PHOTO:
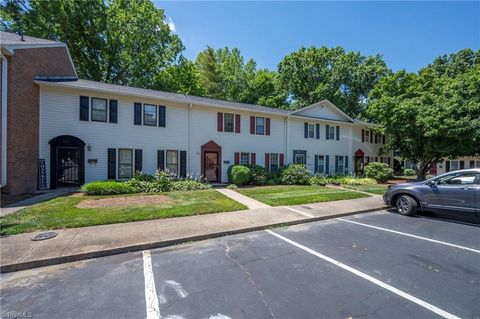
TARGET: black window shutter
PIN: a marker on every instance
(447, 166)
(161, 116)
(305, 129)
(327, 164)
(138, 160)
(336, 164)
(327, 128)
(346, 164)
(338, 133)
(137, 116)
(183, 163)
(113, 111)
(316, 163)
(161, 160)
(84, 108)
(462, 164)
(112, 161)
(317, 129)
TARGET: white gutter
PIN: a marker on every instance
(4, 119)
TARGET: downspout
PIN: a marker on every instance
(189, 139)
(4, 119)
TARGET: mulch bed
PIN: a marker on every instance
(123, 201)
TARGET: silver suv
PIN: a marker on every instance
(454, 191)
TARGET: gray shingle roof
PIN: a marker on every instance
(174, 97)
(7, 38)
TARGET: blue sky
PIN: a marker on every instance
(408, 34)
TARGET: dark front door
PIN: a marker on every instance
(68, 166)
(359, 165)
(211, 166)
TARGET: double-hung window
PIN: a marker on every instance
(228, 122)
(244, 158)
(478, 164)
(321, 164)
(273, 162)
(341, 165)
(172, 162)
(260, 126)
(311, 131)
(150, 115)
(454, 166)
(367, 136)
(99, 110)
(125, 163)
(331, 132)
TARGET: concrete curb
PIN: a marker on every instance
(159, 244)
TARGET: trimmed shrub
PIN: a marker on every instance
(318, 181)
(157, 186)
(274, 178)
(295, 174)
(107, 188)
(259, 175)
(350, 180)
(240, 174)
(232, 187)
(409, 172)
(381, 172)
(139, 175)
(189, 185)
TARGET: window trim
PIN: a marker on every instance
(156, 114)
(342, 170)
(331, 129)
(271, 162)
(106, 109)
(248, 158)
(310, 125)
(256, 125)
(178, 161)
(321, 161)
(233, 122)
(118, 163)
(304, 161)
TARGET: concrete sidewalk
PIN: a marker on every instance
(46, 195)
(18, 252)
(242, 199)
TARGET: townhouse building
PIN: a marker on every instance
(81, 131)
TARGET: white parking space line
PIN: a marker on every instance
(151, 299)
(299, 212)
(410, 235)
(373, 280)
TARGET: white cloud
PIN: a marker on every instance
(171, 25)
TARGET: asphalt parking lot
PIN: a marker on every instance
(375, 265)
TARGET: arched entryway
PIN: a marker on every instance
(359, 162)
(67, 161)
(211, 161)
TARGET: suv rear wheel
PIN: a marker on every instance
(406, 205)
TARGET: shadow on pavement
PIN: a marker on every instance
(448, 216)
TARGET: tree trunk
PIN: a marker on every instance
(422, 170)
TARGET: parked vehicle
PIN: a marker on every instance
(457, 191)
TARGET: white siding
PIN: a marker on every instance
(188, 128)
(320, 146)
(59, 115)
(204, 129)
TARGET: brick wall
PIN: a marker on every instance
(23, 112)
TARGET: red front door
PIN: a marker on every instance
(211, 166)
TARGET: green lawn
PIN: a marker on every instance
(296, 195)
(369, 188)
(62, 213)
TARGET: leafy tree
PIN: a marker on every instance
(345, 78)
(431, 115)
(182, 77)
(117, 41)
(224, 74)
